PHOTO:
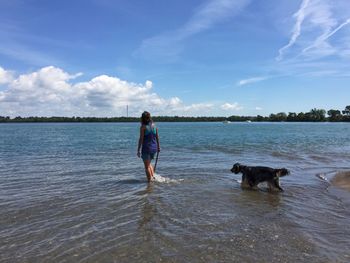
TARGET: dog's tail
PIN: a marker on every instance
(282, 172)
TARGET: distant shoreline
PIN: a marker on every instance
(160, 119)
(314, 115)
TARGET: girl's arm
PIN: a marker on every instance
(142, 132)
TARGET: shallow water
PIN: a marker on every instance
(78, 193)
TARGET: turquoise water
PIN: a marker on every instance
(78, 193)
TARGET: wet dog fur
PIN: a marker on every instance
(253, 175)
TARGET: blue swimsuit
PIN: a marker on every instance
(149, 144)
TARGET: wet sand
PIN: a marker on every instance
(342, 180)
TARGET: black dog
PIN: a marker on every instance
(253, 175)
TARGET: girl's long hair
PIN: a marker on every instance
(146, 118)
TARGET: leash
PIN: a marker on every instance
(155, 165)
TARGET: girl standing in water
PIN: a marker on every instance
(149, 140)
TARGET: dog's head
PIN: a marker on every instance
(236, 168)
(282, 172)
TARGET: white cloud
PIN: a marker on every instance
(210, 13)
(258, 108)
(320, 30)
(176, 106)
(321, 40)
(250, 80)
(201, 108)
(300, 15)
(5, 76)
(229, 106)
(49, 92)
(168, 45)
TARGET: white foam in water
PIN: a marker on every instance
(322, 177)
(160, 179)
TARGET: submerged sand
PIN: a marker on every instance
(342, 180)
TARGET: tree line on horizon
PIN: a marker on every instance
(314, 115)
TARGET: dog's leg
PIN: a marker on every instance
(251, 182)
(244, 183)
(276, 182)
(270, 185)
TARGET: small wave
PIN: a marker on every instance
(321, 158)
(286, 155)
(132, 181)
(342, 180)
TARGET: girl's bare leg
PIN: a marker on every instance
(148, 170)
(151, 170)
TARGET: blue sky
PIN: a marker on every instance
(192, 58)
